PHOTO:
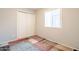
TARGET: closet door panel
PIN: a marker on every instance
(25, 24)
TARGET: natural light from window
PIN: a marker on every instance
(52, 19)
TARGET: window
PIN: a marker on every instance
(52, 19)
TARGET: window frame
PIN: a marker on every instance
(51, 26)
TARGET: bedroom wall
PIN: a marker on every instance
(68, 35)
(8, 22)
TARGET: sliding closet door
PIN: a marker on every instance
(25, 24)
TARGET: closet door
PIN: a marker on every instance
(25, 24)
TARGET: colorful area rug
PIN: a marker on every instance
(24, 46)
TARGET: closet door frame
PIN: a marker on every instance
(25, 24)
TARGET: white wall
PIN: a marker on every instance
(68, 35)
(9, 26)
(8, 22)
